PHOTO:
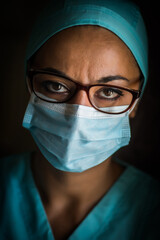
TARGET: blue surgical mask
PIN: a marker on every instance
(75, 138)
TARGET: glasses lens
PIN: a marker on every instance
(110, 99)
(52, 88)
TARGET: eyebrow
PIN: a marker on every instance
(101, 80)
(112, 78)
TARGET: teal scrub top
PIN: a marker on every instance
(130, 210)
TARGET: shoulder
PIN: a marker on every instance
(148, 194)
(144, 196)
(146, 183)
(142, 188)
(140, 179)
(14, 177)
(13, 167)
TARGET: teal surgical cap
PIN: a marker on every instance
(122, 17)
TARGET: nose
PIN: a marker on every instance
(80, 98)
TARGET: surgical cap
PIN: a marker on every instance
(122, 17)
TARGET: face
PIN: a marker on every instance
(89, 55)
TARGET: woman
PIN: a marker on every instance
(86, 69)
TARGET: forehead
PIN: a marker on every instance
(83, 35)
(86, 48)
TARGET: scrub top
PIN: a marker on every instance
(130, 210)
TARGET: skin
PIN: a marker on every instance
(85, 54)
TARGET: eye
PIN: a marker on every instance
(55, 87)
(107, 93)
(52, 88)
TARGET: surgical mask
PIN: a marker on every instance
(75, 138)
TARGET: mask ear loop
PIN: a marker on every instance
(28, 83)
(135, 103)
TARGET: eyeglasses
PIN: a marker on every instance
(105, 98)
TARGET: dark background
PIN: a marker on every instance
(17, 18)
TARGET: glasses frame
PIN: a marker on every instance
(31, 72)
